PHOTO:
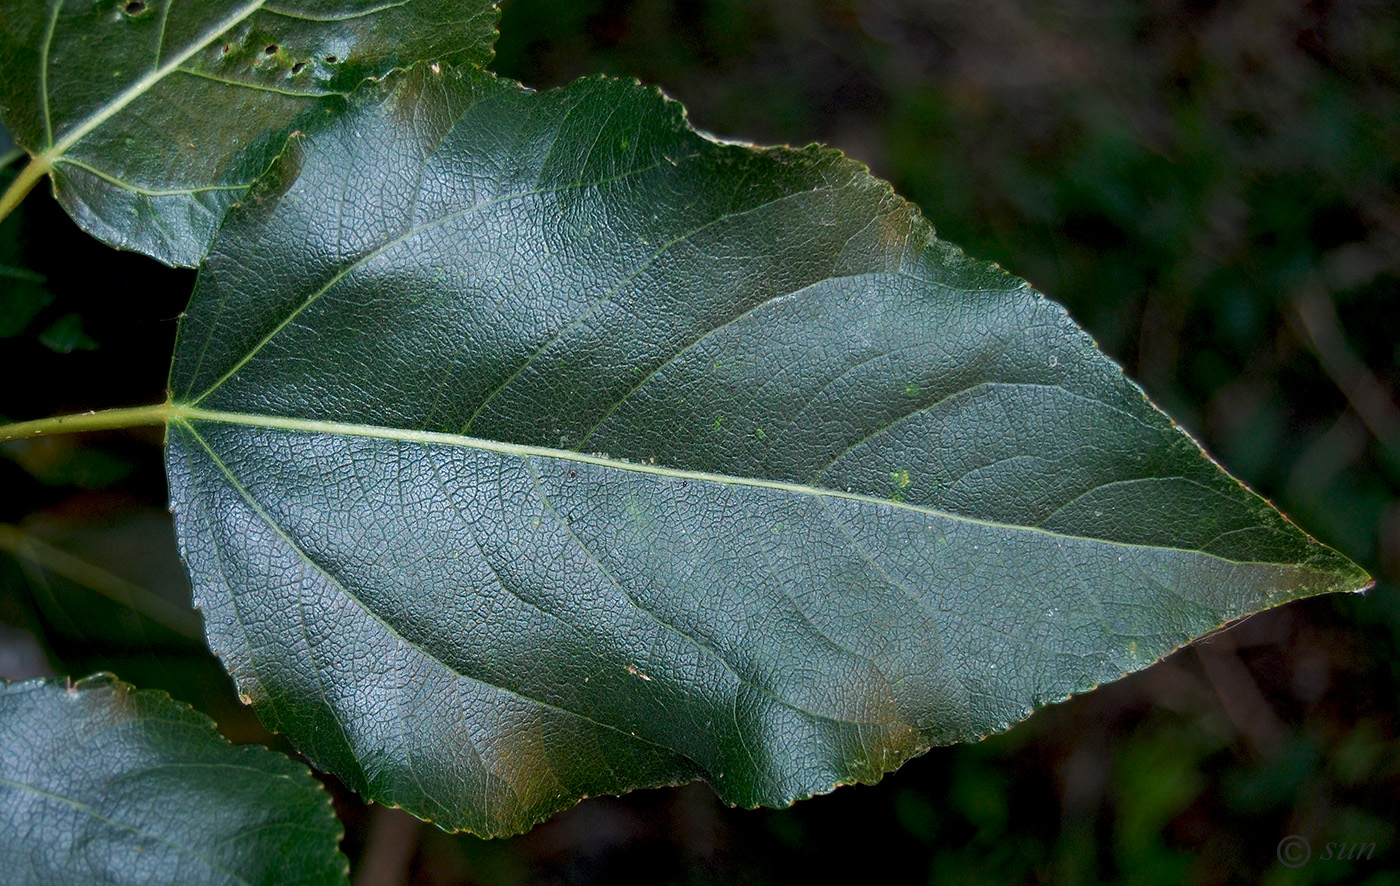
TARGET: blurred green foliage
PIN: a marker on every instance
(1213, 189)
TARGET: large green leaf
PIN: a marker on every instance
(530, 446)
(100, 783)
(155, 115)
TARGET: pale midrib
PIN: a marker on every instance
(142, 86)
(180, 412)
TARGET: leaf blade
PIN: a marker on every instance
(501, 429)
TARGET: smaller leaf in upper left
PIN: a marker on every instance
(154, 116)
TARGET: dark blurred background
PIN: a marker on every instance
(1214, 191)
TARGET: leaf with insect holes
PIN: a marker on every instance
(530, 446)
(155, 115)
(100, 783)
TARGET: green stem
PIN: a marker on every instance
(28, 177)
(20, 544)
(106, 420)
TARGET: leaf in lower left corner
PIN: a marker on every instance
(102, 783)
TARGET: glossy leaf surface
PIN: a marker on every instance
(155, 115)
(100, 783)
(531, 446)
